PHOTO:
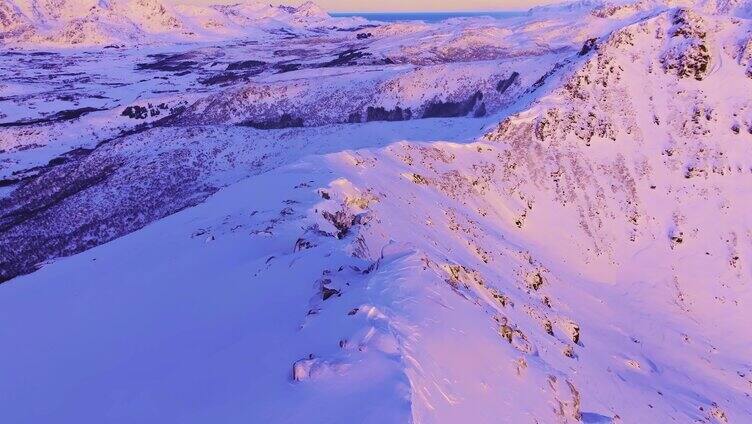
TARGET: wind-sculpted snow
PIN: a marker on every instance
(333, 230)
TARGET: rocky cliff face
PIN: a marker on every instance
(452, 90)
(623, 183)
(13, 23)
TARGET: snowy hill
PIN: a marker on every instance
(535, 219)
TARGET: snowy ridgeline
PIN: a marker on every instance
(129, 22)
(537, 219)
(98, 22)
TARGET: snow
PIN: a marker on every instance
(577, 253)
(91, 22)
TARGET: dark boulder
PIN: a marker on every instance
(449, 109)
(381, 114)
(504, 84)
(245, 64)
(284, 121)
(589, 45)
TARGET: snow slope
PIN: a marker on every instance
(580, 253)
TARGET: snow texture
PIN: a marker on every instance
(257, 213)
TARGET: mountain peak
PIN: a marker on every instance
(125, 21)
(311, 9)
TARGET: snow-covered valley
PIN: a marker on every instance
(280, 216)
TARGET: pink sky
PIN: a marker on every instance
(422, 5)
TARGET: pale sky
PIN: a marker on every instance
(400, 5)
(424, 5)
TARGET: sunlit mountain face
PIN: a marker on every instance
(259, 213)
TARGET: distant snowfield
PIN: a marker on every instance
(542, 219)
(430, 17)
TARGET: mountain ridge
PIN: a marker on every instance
(248, 246)
(97, 22)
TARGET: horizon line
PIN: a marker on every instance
(429, 11)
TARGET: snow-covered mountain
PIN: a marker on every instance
(536, 219)
(98, 22)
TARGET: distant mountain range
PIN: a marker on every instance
(92, 22)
